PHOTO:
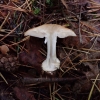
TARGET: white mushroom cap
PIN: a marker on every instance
(46, 29)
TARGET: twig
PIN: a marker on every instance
(29, 80)
(80, 26)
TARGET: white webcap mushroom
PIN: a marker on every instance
(50, 32)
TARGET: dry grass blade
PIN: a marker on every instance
(28, 4)
(91, 50)
(90, 33)
(24, 39)
(12, 8)
(64, 3)
(93, 10)
(89, 60)
(92, 28)
(77, 50)
(90, 94)
(50, 91)
(96, 86)
(3, 78)
(94, 7)
(4, 21)
(11, 31)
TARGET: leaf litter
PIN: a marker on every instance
(78, 76)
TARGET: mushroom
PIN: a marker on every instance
(4, 49)
(50, 32)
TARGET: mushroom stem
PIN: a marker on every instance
(51, 63)
(48, 48)
(53, 49)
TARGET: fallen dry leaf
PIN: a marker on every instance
(33, 57)
(23, 94)
(75, 41)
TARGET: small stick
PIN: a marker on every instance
(29, 80)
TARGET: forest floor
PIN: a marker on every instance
(21, 75)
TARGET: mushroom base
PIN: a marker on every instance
(49, 65)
